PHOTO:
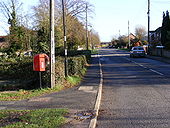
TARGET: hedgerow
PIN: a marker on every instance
(25, 78)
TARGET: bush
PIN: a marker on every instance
(72, 53)
(16, 68)
(22, 72)
(59, 73)
(76, 65)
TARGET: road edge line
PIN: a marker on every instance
(93, 121)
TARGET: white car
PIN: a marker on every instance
(137, 51)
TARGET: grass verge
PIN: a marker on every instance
(125, 49)
(41, 118)
(74, 80)
(27, 94)
(95, 51)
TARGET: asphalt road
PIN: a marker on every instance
(136, 92)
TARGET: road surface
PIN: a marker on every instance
(136, 92)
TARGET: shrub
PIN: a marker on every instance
(76, 65)
(21, 71)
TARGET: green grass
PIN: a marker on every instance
(41, 118)
(126, 49)
(74, 80)
(25, 94)
(83, 71)
(94, 51)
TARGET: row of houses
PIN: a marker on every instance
(155, 37)
(160, 36)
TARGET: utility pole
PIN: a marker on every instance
(65, 38)
(52, 44)
(91, 43)
(87, 40)
(148, 22)
(129, 34)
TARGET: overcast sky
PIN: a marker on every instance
(111, 16)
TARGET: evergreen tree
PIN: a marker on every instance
(165, 36)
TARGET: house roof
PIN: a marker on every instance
(3, 36)
(157, 30)
(105, 42)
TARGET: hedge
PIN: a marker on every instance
(26, 78)
(76, 65)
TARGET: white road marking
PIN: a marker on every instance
(93, 121)
(144, 66)
(140, 65)
(88, 89)
(156, 72)
(127, 59)
(2, 108)
(94, 56)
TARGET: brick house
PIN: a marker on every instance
(155, 37)
(134, 41)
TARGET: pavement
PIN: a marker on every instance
(79, 100)
(163, 59)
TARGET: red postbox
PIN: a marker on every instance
(40, 61)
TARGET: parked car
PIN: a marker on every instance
(137, 51)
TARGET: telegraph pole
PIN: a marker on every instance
(129, 34)
(52, 44)
(65, 38)
(148, 22)
(87, 41)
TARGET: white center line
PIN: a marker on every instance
(156, 72)
(145, 67)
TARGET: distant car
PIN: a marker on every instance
(137, 51)
(28, 53)
(111, 46)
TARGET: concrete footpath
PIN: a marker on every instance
(80, 100)
(163, 59)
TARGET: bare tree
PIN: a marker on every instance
(95, 39)
(75, 8)
(10, 10)
(41, 14)
(140, 32)
(19, 33)
(75, 11)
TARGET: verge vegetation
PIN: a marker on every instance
(23, 82)
(44, 118)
